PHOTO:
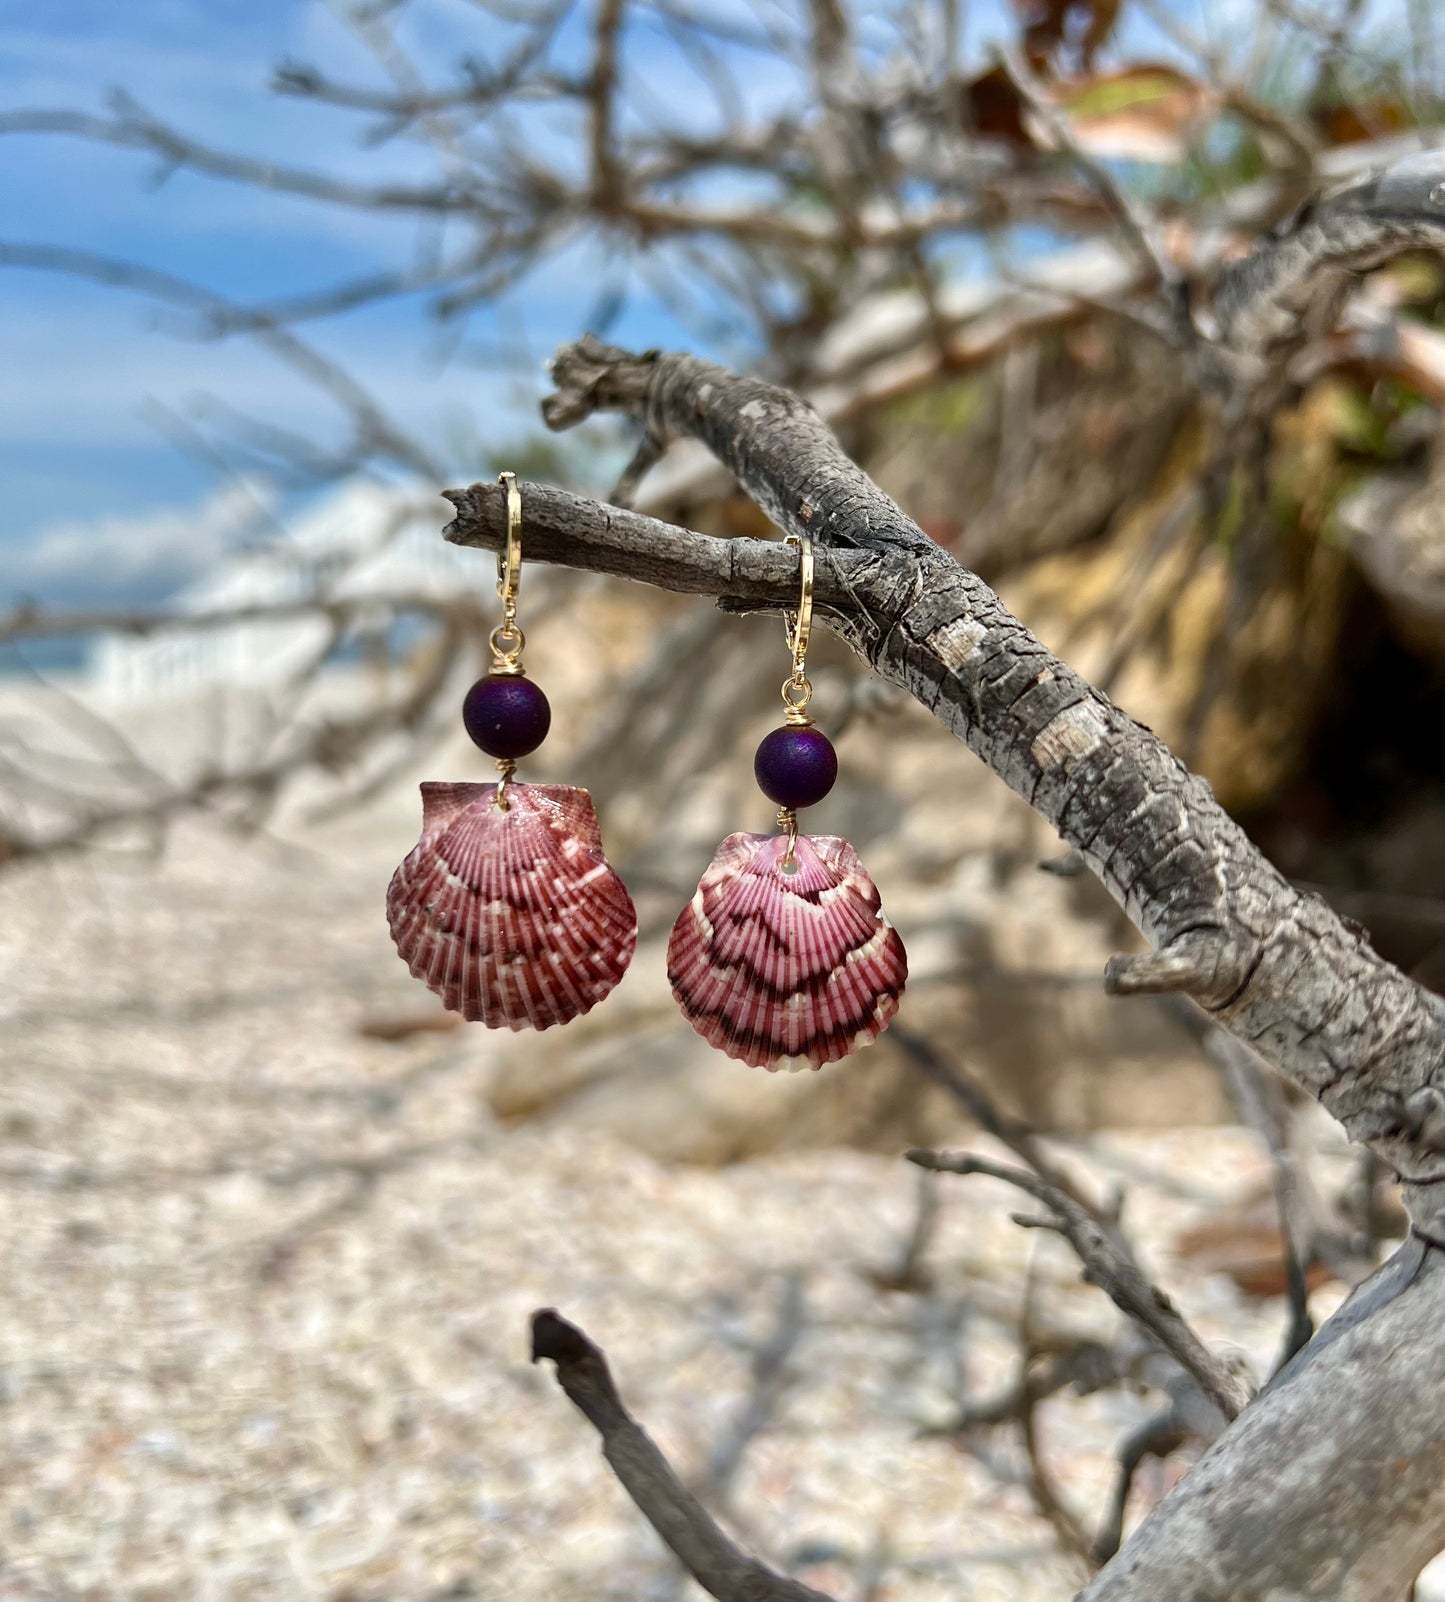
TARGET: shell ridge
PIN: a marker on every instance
(514, 917)
(768, 966)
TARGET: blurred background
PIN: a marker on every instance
(273, 275)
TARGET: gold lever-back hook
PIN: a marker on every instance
(797, 691)
(507, 638)
(509, 561)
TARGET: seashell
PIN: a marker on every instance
(514, 918)
(769, 964)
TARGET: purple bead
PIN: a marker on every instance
(796, 766)
(506, 715)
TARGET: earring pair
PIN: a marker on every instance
(508, 909)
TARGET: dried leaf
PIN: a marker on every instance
(1051, 26)
(1354, 123)
(1142, 113)
(993, 107)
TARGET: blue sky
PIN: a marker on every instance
(85, 367)
(96, 500)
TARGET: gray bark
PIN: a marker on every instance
(1328, 1486)
(1266, 301)
(1273, 965)
(715, 1561)
(1331, 1483)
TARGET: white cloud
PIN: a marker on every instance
(123, 554)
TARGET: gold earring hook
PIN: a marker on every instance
(507, 639)
(797, 691)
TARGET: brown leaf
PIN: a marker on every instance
(1362, 120)
(993, 107)
(1142, 113)
(1051, 25)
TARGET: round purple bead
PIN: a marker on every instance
(796, 766)
(506, 715)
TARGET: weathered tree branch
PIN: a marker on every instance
(572, 531)
(1274, 966)
(1263, 303)
(1328, 1485)
(718, 1564)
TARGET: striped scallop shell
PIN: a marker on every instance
(514, 918)
(769, 965)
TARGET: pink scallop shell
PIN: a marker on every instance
(768, 965)
(514, 918)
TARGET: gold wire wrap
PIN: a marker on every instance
(507, 768)
(507, 640)
(798, 625)
(788, 820)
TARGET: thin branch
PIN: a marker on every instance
(27, 621)
(1109, 1263)
(1159, 1435)
(718, 1565)
(1262, 302)
(1328, 1485)
(1050, 1504)
(771, 1375)
(330, 746)
(1261, 1106)
(909, 1271)
(1136, 228)
(596, 538)
(373, 428)
(135, 129)
(1019, 1137)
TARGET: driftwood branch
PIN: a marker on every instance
(718, 1564)
(1263, 301)
(1110, 1264)
(1274, 966)
(1328, 1485)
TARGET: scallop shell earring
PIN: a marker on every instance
(507, 907)
(784, 956)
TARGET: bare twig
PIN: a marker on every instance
(1136, 228)
(1051, 1505)
(770, 1377)
(721, 1567)
(1109, 1263)
(1261, 1106)
(908, 1271)
(1019, 1137)
(1328, 1485)
(375, 431)
(1159, 1435)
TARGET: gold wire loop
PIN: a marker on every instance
(796, 695)
(798, 625)
(507, 640)
(509, 562)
